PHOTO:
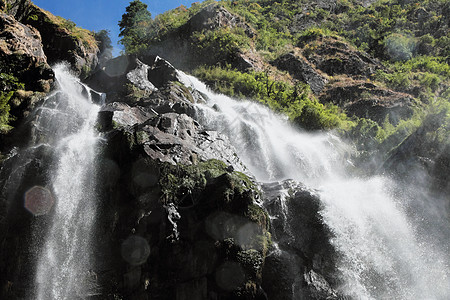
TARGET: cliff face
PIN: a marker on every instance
(32, 39)
(62, 41)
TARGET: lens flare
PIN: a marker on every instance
(39, 200)
(135, 250)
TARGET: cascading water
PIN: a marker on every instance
(383, 253)
(67, 119)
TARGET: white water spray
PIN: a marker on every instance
(64, 264)
(383, 256)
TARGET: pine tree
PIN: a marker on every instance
(134, 26)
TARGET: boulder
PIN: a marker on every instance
(131, 79)
(334, 56)
(215, 16)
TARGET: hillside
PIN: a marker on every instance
(373, 69)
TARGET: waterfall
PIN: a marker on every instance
(383, 251)
(67, 120)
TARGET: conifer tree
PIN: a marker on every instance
(134, 26)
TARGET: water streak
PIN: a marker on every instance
(68, 118)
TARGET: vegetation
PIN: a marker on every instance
(8, 85)
(134, 26)
(296, 101)
(38, 15)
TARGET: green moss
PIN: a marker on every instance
(258, 215)
(32, 17)
(141, 137)
(179, 181)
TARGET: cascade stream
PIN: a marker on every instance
(68, 117)
(383, 253)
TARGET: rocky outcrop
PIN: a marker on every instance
(60, 42)
(181, 40)
(367, 100)
(302, 70)
(172, 193)
(215, 16)
(340, 74)
(22, 55)
(302, 266)
(334, 56)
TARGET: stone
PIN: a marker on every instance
(22, 54)
(302, 266)
(368, 100)
(302, 70)
(58, 42)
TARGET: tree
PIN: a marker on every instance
(134, 26)
(104, 45)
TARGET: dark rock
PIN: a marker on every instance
(302, 70)
(19, 173)
(367, 100)
(303, 264)
(130, 79)
(168, 137)
(335, 56)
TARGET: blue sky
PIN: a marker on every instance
(103, 14)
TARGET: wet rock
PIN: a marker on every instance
(131, 79)
(302, 265)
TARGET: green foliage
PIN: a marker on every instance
(8, 85)
(219, 45)
(396, 29)
(426, 72)
(399, 47)
(133, 26)
(68, 24)
(311, 34)
(294, 101)
(32, 17)
(4, 111)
